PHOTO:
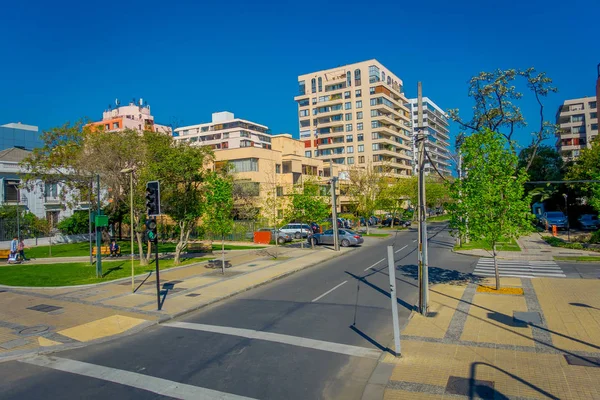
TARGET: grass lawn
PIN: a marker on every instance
(376, 234)
(579, 258)
(439, 218)
(482, 244)
(83, 249)
(67, 274)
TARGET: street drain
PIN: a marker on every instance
(34, 330)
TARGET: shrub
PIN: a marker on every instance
(595, 238)
(77, 223)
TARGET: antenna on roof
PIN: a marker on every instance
(117, 102)
(141, 102)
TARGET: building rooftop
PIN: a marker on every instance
(14, 154)
(18, 125)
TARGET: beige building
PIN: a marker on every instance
(578, 122)
(355, 115)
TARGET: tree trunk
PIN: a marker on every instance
(149, 254)
(392, 223)
(367, 224)
(223, 254)
(140, 243)
(496, 272)
(185, 229)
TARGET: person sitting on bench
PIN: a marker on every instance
(114, 249)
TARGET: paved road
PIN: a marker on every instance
(316, 334)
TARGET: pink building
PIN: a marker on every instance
(136, 115)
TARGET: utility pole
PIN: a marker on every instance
(98, 234)
(334, 221)
(422, 207)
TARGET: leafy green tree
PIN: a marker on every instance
(307, 205)
(587, 167)
(219, 207)
(546, 166)
(365, 186)
(76, 224)
(490, 196)
(497, 105)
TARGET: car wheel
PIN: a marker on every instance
(281, 240)
(345, 243)
(298, 235)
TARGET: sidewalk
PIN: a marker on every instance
(541, 339)
(533, 248)
(39, 319)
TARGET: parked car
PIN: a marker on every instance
(589, 221)
(278, 235)
(299, 231)
(397, 222)
(554, 218)
(346, 237)
(340, 223)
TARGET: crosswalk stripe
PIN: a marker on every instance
(145, 382)
(280, 338)
(519, 268)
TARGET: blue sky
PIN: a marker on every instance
(62, 60)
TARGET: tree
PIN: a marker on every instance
(365, 186)
(307, 204)
(496, 108)
(182, 172)
(587, 167)
(547, 165)
(490, 196)
(219, 207)
(77, 223)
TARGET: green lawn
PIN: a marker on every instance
(482, 244)
(83, 249)
(68, 274)
(579, 258)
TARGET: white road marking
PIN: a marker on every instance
(398, 251)
(327, 292)
(383, 259)
(160, 386)
(279, 338)
(414, 240)
(519, 268)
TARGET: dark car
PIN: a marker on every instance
(589, 221)
(346, 237)
(397, 222)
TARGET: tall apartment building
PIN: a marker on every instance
(578, 122)
(225, 132)
(136, 115)
(355, 115)
(437, 143)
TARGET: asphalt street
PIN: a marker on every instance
(315, 334)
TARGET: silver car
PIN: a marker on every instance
(347, 238)
(281, 237)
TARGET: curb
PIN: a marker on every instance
(10, 356)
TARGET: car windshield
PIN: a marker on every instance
(557, 214)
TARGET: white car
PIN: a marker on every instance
(299, 231)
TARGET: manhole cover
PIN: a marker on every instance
(252, 265)
(34, 330)
(527, 317)
(464, 386)
(44, 308)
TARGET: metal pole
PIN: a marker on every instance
(98, 236)
(131, 224)
(336, 238)
(90, 219)
(393, 296)
(567, 211)
(423, 272)
(157, 268)
(18, 224)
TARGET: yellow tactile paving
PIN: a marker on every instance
(443, 300)
(100, 328)
(47, 342)
(131, 300)
(490, 320)
(515, 373)
(572, 311)
(391, 394)
(502, 290)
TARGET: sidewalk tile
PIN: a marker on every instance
(100, 328)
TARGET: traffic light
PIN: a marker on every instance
(151, 233)
(153, 198)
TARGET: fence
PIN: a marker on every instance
(8, 229)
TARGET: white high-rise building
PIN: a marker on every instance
(438, 139)
(578, 121)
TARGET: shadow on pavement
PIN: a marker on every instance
(440, 275)
(370, 340)
(380, 290)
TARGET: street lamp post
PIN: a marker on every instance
(130, 172)
(567, 212)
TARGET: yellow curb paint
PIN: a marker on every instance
(100, 328)
(502, 290)
(47, 342)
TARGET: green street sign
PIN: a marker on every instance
(101, 220)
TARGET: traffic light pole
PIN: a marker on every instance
(157, 268)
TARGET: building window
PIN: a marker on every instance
(577, 118)
(349, 138)
(373, 74)
(359, 104)
(313, 85)
(314, 111)
(246, 188)
(347, 95)
(245, 164)
(357, 93)
(593, 115)
(301, 88)
(350, 149)
(348, 78)
(389, 81)
(305, 123)
(357, 77)
(307, 153)
(383, 76)
(304, 113)
(359, 115)
(361, 159)
(350, 160)
(303, 102)
(279, 191)
(360, 137)
(320, 84)
(348, 105)
(116, 125)
(592, 104)
(348, 116)
(594, 127)
(277, 168)
(361, 148)
(359, 126)
(348, 127)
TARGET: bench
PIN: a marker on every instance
(199, 247)
(104, 250)
(4, 254)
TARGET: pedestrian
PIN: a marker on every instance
(14, 244)
(21, 250)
